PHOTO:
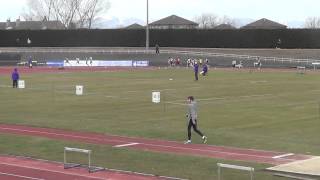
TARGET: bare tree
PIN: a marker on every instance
(227, 20)
(89, 11)
(207, 20)
(82, 13)
(312, 23)
(38, 9)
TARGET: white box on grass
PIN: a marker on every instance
(79, 90)
(21, 84)
(156, 97)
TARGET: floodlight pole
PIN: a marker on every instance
(147, 27)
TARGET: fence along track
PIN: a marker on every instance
(143, 51)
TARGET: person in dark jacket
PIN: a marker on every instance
(30, 61)
(204, 69)
(157, 49)
(196, 70)
(15, 77)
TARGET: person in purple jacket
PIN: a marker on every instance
(15, 77)
(30, 61)
(196, 70)
(204, 69)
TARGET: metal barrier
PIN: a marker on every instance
(143, 51)
(230, 166)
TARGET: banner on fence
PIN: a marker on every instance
(103, 63)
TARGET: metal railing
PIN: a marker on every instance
(143, 51)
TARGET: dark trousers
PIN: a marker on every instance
(195, 128)
(196, 75)
(15, 83)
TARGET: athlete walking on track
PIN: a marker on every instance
(192, 120)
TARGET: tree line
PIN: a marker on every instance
(71, 13)
(83, 13)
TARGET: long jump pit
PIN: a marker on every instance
(308, 169)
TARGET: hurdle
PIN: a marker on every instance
(230, 166)
(315, 64)
(301, 69)
(68, 165)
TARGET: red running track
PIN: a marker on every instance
(19, 168)
(203, 150)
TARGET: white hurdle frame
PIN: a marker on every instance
(68, 149)
(230, 166)
(301, 69)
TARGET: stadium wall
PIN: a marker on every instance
(239, 38)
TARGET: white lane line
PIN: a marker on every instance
(282, 156)
(147, 144)
(52, 171)
(125, 145)
(15, 175)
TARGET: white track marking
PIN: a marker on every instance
(4, 86)
(217, 99)
(147, 144)
(111, 96)
(53, 171)
(125, 145)
(282, 156)
(15, 175)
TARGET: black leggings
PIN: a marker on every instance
(15, 83)
(195, 128)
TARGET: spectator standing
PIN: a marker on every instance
(188, 62)
(200, 62)
(196, 70)
(157, 49)
(15, 77)
(30, 62)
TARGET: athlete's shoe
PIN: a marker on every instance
(187, 142)
(204, 139)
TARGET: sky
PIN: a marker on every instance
(282, 11)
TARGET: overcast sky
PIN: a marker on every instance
(283, 11)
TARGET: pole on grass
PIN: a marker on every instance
(147, 27)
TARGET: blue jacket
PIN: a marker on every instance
(196, 67)
(15, 75)
(205, 68)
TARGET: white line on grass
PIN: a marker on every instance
(175, 103)
(15, 175)
(163, 90)
(126, 145)
(4, 86)
(216, 98)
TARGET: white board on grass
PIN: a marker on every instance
(79, 90)
(156, 97)
(21, 84)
